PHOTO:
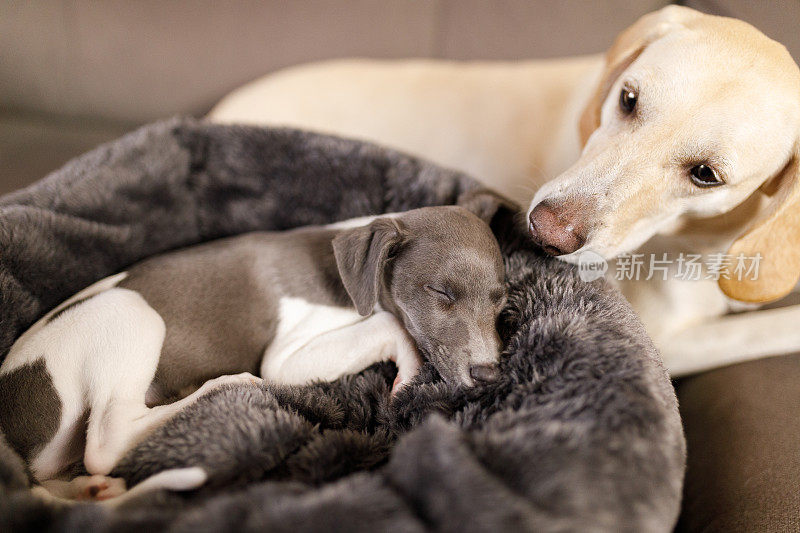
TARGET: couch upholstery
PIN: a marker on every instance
(141, 61)
(74, 73)
(743, 462)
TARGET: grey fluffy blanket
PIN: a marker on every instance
(581, 434)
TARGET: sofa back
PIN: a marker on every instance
(139, 61)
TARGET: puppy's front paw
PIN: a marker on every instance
(408, 364)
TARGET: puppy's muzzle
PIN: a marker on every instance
(557, 231)
(484, 373)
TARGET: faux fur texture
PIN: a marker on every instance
(581, 434)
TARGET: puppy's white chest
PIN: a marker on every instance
(300, 321)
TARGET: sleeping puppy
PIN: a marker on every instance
(91, 378)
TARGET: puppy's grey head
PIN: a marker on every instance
(440, 271)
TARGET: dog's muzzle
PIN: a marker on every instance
(556, 230)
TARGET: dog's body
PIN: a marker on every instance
(178, 325)
(511, 125)
(683, 139)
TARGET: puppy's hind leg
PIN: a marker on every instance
(83, 488)
(125, 347)
(124, 363)
(124, 423)
(86, 487)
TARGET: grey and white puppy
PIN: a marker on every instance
(309, 304)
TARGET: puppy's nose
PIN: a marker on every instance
(555, 233)
(484, 373)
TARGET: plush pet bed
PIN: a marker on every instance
(581, 434)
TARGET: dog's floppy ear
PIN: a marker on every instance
(485, 203)
(775, 235)
(361, 257)
(626, 48)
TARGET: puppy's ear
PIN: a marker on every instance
(626, 48)
(775, 235)
(361, 257)
(485, 203)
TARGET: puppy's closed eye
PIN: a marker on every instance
(441, 293)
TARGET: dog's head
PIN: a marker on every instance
(695, 118)
(440, 271)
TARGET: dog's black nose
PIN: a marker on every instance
(556, 231)
(484, 373)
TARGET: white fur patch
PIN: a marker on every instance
(360, 221)
(21, 352)
(300, 322)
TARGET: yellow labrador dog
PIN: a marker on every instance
(681, 142)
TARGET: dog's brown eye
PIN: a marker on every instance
(441, 294)
(704, 176)
(627, 99)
